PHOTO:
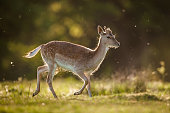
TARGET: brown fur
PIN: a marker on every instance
(66, 49)
(73, 57)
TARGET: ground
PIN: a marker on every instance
(108, 97)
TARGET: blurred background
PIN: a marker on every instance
(142, 28)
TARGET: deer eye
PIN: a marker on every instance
(108, 37)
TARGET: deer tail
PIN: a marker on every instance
(33, 52)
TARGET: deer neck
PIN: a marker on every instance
(99, 53)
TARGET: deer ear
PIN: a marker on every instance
(99, 29)
(108, 31)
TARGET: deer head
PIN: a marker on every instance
(107, 38)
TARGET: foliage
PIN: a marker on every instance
(142, 27)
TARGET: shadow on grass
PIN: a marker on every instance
(138, 97)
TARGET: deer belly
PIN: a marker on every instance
(66, 66)
(65, 63)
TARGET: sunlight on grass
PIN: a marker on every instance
(108, 96)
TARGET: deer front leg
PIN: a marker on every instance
(88, 86)
(40, 70)
(84, 78)
(50, 77)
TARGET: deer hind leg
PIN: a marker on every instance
(84, 78)
(52, 69)
(88, 87)
(40, 70)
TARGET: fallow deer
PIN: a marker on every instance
(80, 60)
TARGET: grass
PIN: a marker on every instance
(108, 97)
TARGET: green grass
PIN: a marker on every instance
(108, 97)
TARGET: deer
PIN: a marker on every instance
(78, 59)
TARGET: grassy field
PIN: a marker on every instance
(109, 96)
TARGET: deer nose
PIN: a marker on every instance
(118, 43)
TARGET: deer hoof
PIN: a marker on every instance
(77, 93)
(33, 94)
